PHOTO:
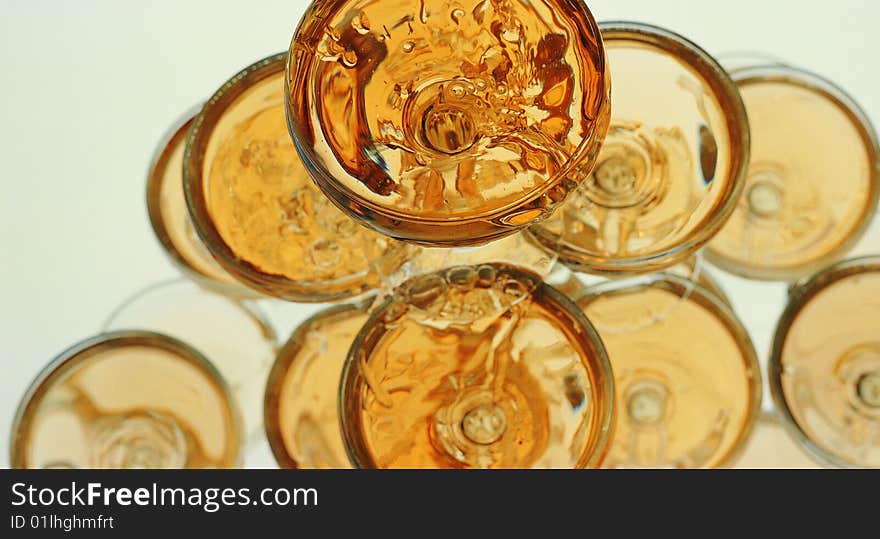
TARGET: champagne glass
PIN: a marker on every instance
(686, 373)
(813, 178)
(447, 123)
(169, 217)
(302, 393)
(254, 205)
(672, 165)
(824, 368)
(129, 399)
(476, 367)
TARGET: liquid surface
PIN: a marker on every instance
(302, 413)
(477, 367)
(269, 213)
(686, 377)
(770, 447)
(809, 189)
(442, 112)
(130, 406)
(171, 221)
(666, 172)
(233, 337)
(829, 368)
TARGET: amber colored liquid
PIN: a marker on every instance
(830, 368)
(476, 368)
(769, 446)
(269, 212)
(664, 171)
(812, 181)
(686, 380)
(302, 413)
(453, 123)
(129, 407)
(172, 223)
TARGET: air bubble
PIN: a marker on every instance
(485, 276)
(457, 90)
(515, 289)
(349, 58)
(463, 276)
(325, 253)
(868, 389)
(333, 33)
(361, 24)
(425, 290)
(396, 309)
(346, 227)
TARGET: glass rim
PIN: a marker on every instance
(280, 369)
(249, 309)
(799, 296)
(580, 155)
(86, 349)
(197, 141)
(780, 72)
(173, 136)
(601, 382)
(772, 419)
(735, 59)
(736, 121)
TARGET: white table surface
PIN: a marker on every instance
(88, 87)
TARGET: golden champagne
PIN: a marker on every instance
(447, 123)
(686, 374)
(813, 179)
(257, 209)
(476, 367)
(672, 165)
(127, 400)
(825, 367)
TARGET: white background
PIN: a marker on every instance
(88, 87)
